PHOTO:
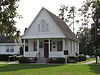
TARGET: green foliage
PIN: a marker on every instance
(81, 58)
(86, 42)
(98, 51)
(23, 60)
(87, 37)
(57, 60)
(72, 59)
(68, 15)
(4, 57)
(21, 50)
(60, 60)
(7, 15)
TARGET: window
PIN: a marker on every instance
(35, 45)
(43, 27)
(59, 45)
(9, 48)
(71, 45)
(41, 44)
(76, 47)
(12, 50)
(26, 45)
(50, 45)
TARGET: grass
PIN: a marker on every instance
(98, 60)
(49, 69)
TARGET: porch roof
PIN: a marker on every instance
(29, 37)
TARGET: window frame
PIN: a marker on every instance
(59, 45)
(34, 45)
(9, 48)
(26, 45)
(43, 26)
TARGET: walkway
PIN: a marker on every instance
(13, 62)
(90, 62)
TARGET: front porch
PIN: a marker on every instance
(44, 48)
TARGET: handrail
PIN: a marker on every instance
(38, 55)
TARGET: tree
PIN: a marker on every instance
(85, 47)
(90, 10)
(67, 14)
(7, 14)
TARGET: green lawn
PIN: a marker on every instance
(49, 69)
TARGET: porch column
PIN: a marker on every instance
(78, 48)
(49, 45)
(38, 46)
(63, 44)
(24, 48)
(64, 49)
(75, 47)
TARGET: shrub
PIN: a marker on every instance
(72, 59)
(53, 60)
(57, 60)
(49, 60)
(23, 60)
(82, 57)
(60, 60)
(33, 60)
(5, 57)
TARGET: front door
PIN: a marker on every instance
(46, 51)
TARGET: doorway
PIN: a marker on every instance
(46, 51)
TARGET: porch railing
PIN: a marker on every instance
(38, 55)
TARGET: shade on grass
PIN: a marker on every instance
(49, 69)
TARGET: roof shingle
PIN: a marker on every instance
(4, 39)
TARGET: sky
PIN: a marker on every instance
(30, 8)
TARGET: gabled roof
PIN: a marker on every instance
(63, 26)
(4, 39)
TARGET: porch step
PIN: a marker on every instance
(41, 61)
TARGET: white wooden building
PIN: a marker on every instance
(8, 46)
(48, 36)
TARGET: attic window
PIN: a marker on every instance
(43, 27)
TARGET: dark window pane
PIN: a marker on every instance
(50, 46)
(7, 50)
(26, 45)
(59, 46)
(26, 48)
(35, 45)
(12, 50)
